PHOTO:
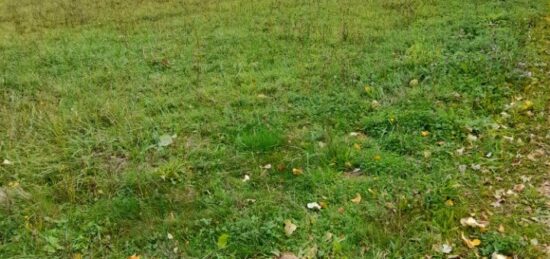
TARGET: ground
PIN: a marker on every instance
(274, 128)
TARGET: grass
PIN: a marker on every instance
(316, 101)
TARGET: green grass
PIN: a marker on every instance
(90, 89)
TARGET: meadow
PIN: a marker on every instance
(274, 129)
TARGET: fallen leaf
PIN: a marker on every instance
(501, 228)
(499, 193)
(425, 133)
(357, 198)
(496, 255)
(288, 255)
(313, 206)
(354, 134)
(169, 236)
(413, 83)
(246, 178)
(134, 256)
(471, 138)
(341, 210)
(3, 197)
(470, 243)
(377, 157)
(357, 146)
(328, 236)
(519, 187)
(498, 203)
(446, 249)
(166, 140)
(222, 241)
(297, 171)
(450, 203)
(77, 256)
(7, 162)
(471, 222)
(527, 105)
(289, 227)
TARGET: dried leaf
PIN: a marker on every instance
(501, 228)
(519, 187)
(289, 227)
(297, 171)
(288, 255)
(313, 206)
(134, 256)
(7, 162)
(470, 243)
(496, 255)
(354, 134)
(446, 249)
(166, 140)
(357, 198)
(471, 138)
(471, 222)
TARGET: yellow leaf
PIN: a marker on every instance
(425, 133)
(501, 228)
(450, 203)
(297, 171)
(357, 199)
(134, 256)
(289, 227)
(470, 243)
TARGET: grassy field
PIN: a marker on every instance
(203, 128)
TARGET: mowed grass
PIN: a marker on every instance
(127, 127)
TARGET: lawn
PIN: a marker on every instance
(274, 129)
